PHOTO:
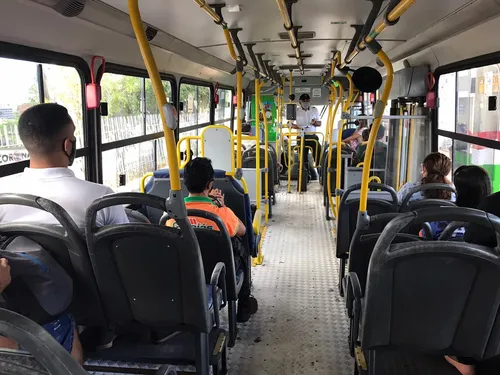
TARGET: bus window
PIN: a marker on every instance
(124, 97)
(153, 120)
(20, 90)
(129, 163)
(463, 102)
(196, 113)
(132, 113)
(223, 109)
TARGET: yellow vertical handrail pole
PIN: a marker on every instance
(301, 161)
(330, 109)
(378, 113)
(338, 174)
(400, 149)
(346, 106)
(330, 149)
(258, 192)
(290, 87)
(290, 161)
(239, 99)
(161, 99)
(266, 165)
(329, 120)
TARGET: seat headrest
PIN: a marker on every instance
(165, 173)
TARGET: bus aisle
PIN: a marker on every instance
(301, 326)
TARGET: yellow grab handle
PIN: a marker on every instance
(143, 181)
(376, 125)
(375, 178)
(360, 164)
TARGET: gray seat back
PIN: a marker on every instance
(66, 244)
(441, 297)
(148, 273)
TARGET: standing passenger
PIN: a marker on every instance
(308, 120)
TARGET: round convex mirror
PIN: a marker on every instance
(367, 79)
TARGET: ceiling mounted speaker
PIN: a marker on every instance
(367, 79)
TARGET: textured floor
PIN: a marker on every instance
(301, 327)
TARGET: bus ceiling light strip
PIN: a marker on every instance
(285, 9)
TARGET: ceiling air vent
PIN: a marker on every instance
(151, 33)
(300, 35)
(69, 8)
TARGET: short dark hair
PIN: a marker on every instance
(41, 126)
(304, 97)
(473, 185)
(198, 174)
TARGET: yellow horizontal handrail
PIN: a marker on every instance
(187, 139)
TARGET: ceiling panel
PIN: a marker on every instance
(261, 23)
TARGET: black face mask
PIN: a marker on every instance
(71, 156)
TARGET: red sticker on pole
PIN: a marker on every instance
(93, 89)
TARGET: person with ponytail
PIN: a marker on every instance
(435, 169)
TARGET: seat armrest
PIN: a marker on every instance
(357, 310)
(217, 282)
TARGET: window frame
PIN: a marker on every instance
(196, 82)
(233, 111)
(475, 62)
(140, 73)
(42, 56)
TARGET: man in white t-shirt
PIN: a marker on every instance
(48, 133)
(308, 120)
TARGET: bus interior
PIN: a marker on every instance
(345, 274)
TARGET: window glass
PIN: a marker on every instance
(464, 99)
(131, 163)
(124, 97)
(471, 154)
(61, 85)
(153, 120)
(475, 89)
(196, 101)
(223, 109)
(447, 99)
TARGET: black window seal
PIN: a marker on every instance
(484, 142)
(43, 56)
(131, 141)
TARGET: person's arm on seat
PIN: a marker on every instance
(112, 215)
